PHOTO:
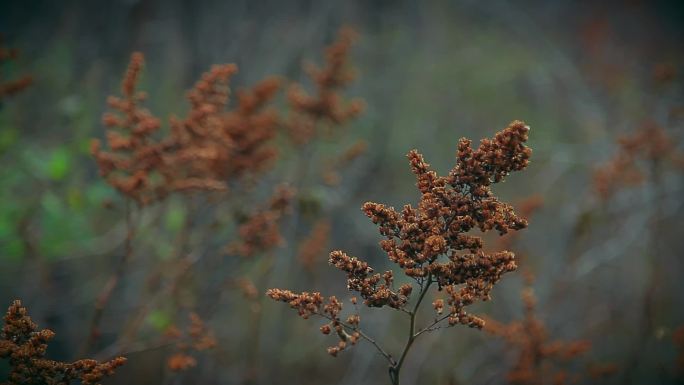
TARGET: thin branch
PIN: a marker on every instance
(364, 336)
(431, 327)
(106, 293)
(395, 369)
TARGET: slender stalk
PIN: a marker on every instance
(395, 369)
(107, 291)
(365, 337)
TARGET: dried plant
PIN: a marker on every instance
(11, 87)
(640, 157)
(644, 158)
(208, 150)
(314, 245)
(134, 161)
(261, 230)
(213, 146)
(201, 152)
(198, 337)
(24, 346)
(326, 106)
(539, 359)
(526, 208)
(450, 207)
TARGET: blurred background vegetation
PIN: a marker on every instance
(580, 74)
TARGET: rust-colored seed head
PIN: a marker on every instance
(327, 104)
(312, 247)
(431, 243)
(24, 347)
(652, 145)
(203, 151)
(539, 357)
(197, 337)
(261, 231)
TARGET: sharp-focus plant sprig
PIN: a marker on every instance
(432, 246)
(24, 347)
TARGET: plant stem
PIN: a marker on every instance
(396, 368)
(106, 292)
(365, 337)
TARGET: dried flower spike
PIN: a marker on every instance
(24, 347)
(431, 245)
(539, 358)
(326, 105)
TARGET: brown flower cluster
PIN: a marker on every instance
(135, 156)
(216, 145)
(314, 245)
(11, 87)
(261, 231)
(24, 347)
(308, 304)
(198, 337)
(375, 289)
(649, 146)
(416, 238)
(327, 104)
(526, 208)
(203, 151)
(451, 206)
(539, 357)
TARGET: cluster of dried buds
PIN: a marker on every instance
(24, 347)
(430, 243)
(202, 151)
(198, 337)
(642, 152)
(261, 230)
(308, 304)
(538, 357)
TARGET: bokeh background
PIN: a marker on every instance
(579, 73)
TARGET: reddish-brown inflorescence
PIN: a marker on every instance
(198, 337)
(135, 160)
(526, 208)
(203, 151)
(650, 145)
(313, 246)
(261, 231)
(539, 358)
(24, 347)
(214, 145)
(327, 104)
(431, 244)
(308, 304)
(201, 148)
